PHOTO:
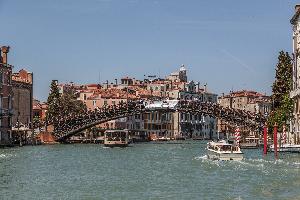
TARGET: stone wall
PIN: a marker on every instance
(22, 103)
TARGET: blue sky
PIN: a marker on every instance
(230, 44)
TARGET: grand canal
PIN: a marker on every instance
(143, 171)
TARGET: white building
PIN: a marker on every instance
(295, 93)
(179, 124)
(178, 76)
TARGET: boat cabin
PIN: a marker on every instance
(116, 138)
(223, 151)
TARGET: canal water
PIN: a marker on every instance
(144, 171)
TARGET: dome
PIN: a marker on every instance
(182, 68)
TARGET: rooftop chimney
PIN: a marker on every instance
(5, 50)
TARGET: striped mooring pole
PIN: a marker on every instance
(265, 139)
(237, 136)
(275, 140)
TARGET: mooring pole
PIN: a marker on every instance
(265, 139)
(275, 140)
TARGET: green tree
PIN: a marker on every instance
(282, 104)
(60, 105)
(70, 105)
(53, 102)
(283, 79)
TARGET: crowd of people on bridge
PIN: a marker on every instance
(76, 122)
(66, 125)
(236, 116)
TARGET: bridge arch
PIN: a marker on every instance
(69, 126)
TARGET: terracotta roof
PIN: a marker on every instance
(37, 105)
(93, 85)
(112, 93)
(244, 93)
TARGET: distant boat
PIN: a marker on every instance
(163, 139)
(250, 143)
(223, 151)
(116, 138)
(291, 148)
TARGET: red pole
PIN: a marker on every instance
(265, 139)
(275, 140)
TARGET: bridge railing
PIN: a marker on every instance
(66, 126)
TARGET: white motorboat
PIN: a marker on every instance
(250, 143)
(292, 148)
(223, 151)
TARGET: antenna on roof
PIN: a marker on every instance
(159, 73)
(99, 78)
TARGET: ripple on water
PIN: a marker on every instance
(3, 156)
(144, 171)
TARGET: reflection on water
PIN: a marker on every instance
(144, 171)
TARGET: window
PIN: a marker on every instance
(94, 103)
(9, 78)
(105, 102)
(9, 121)
(137, 125)
(1, 107)
(9, 102)
(1, 78)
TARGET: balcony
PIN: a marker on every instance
(295, 93)
(6, 112)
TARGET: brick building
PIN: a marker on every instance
(39, 109)
(157, 124)
(6, 94)
(22, 82)
(244, 100)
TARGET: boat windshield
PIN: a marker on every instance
(235, 148)
(116, 136)
(252, 140)
(225, 148)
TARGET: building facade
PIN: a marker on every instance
(6, 94)
(173, 87)
(39, 110)
(22, 98)
(295, 93)
(244, 100)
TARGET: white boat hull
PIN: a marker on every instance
(286, 148)
(249, 145)
(224, 156)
